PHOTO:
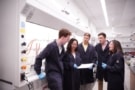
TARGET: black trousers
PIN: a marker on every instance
(55, 81)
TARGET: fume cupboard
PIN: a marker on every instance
(16, 53)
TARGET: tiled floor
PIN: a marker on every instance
(96, 86)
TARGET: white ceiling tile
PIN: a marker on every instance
(121, 14)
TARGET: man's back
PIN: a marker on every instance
(53, 54)
(53, 59)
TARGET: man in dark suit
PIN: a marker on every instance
(102, 49)
(88, 55)
(53, 53)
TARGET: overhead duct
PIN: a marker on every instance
(35, 15)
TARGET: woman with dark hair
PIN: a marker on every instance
(115, 66)
(71, 60)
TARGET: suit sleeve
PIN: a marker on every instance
(94, 56)
(66, 62)
(38, 62)
(96, 51)
(118, 65)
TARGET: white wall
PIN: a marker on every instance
(8, 41)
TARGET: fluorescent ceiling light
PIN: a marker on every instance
(103, 4)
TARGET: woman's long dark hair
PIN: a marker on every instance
(69, 46)
(117, 46)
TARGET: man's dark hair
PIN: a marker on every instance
(64, 32)
(87, 34)
(103, 34)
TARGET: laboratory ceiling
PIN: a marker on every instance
(121, 15)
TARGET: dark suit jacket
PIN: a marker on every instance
(115, 71)
(103, 56)
(71, 75)
(53, 65)
(90, 56)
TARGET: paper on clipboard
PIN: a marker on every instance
(86, 66)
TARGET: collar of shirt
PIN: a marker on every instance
(104, 45)
(85, 46)
(74, 55)
(59, 47)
